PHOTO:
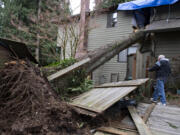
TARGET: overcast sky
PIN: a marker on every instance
(75, 5)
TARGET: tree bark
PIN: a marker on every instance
(102, 55)
(82, 46)
(38, 39)
(105, 53)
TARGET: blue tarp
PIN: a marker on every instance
(138, 4)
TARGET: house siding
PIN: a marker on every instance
(170, 47)
(163, 12)
(100, 36)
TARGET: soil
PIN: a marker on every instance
(28, 105)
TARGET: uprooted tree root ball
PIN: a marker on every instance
(28, 105)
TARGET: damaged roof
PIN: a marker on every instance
(138, 4)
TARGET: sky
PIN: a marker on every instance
(75, 6)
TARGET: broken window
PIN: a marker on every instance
(111, 20)
(122, 56)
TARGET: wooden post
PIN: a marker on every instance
(147, 66)
(134, 67)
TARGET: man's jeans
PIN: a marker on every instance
(159, 91)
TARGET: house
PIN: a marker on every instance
(111, 25)
(105, 27)
(164, 39)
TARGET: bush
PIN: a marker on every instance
(84, 86)
(72, 84)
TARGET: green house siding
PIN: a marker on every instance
(170, 47)
(166, 12)
(100, 35)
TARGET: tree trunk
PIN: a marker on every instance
(105, 53)
(101, 55)
(82, 46)
(38, 40)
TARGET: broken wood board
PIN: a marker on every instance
(68, 69)
(115, 131)
(99, 99)
(85, 112)
(148, 112)
(162, 121)
(137, 82)
(141, 126)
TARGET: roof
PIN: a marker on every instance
(76, 17)
(17, 49)
(138, 4)
(164, 25)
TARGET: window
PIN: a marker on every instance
(111, 20)
(122, 56)
(114, 77)
(132, 50)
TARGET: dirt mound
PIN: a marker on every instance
(28, 105)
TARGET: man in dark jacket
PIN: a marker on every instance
(163, 70)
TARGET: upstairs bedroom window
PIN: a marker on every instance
(111, 20)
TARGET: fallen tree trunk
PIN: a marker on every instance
(105, 53)
(101, 55)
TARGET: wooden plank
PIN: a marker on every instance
(130, 83)
(99, 99)
(85, 112)
(68, 69)
(141, 126)
(148, 112)
(112, 130)
(99, 133)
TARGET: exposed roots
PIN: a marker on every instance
(28, 105)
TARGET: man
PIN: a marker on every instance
(163, 70)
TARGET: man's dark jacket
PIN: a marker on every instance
(162, 69)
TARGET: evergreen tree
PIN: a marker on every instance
(31, 20)
(110, 3)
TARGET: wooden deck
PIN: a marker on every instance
(162, 121)
(99, 99)
(137, 82)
